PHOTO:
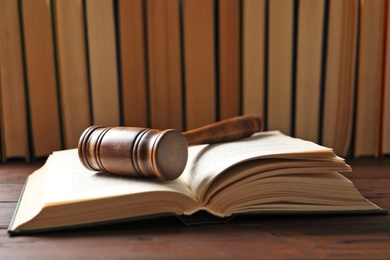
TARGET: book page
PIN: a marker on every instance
(254, 170)
(65, 193)
(32, 197)
(68, 180)
(206, 162)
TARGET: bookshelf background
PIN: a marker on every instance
(314, 69)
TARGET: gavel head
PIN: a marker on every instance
(133, 151)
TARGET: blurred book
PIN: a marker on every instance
(199, 62)
(72, 69)
(13, 111)
(41, 77)
(165, 64)
(103, 64)
(340, 74)
(369, 78)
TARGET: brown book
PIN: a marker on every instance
(229, 49)
(2, 157)
(253, 56)
(385, 135)
(340, 75)
(131, 34)
(165, 64)
(13, 117)
(309, 68)
(369, 85)
(103, 62)
(266, 173)
(41, 76)
(72, 69)
(199, 58)
(280, 62)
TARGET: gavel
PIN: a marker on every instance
(145, 152)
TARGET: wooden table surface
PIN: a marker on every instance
(312, 237)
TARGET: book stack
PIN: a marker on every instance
(317, 70)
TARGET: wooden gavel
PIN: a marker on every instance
(144, 152)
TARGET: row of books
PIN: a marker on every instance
(327, 67)
(314, 69)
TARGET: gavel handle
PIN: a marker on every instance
(223, 131)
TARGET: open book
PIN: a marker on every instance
(266, 173)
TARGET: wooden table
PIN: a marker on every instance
(354, 237)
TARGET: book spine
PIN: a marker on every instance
(280, 65)
(253, 48)
(133, 62)
(199, 58)
(13, 113)
(229, 56)
(369, 76)
(72, 69)
(103, 62)
(41, 77)
(165, 67)
(309, 62)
